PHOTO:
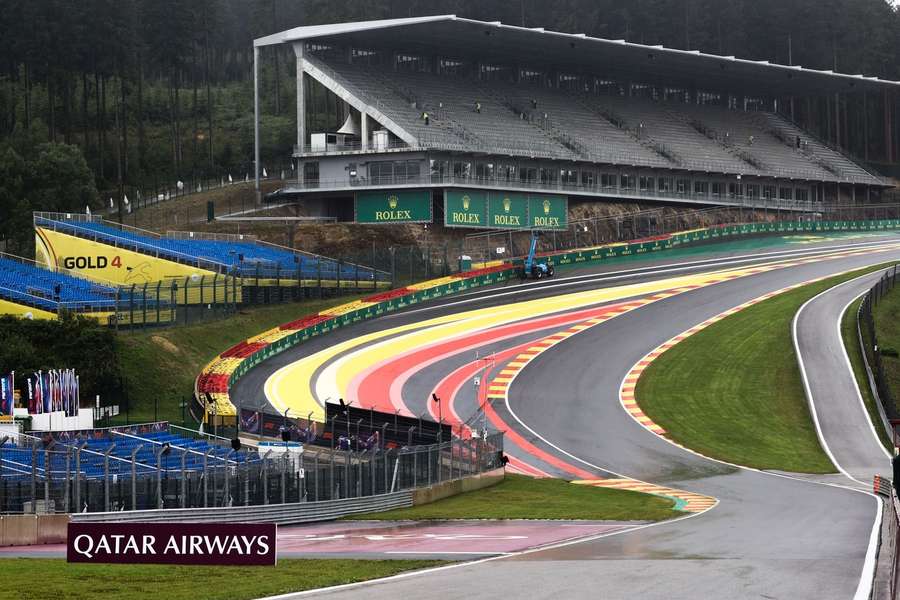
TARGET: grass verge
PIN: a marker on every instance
(161, 365)
(850, 336)
(886, 313)
(59, 579)
(520, 497)
(733, 391)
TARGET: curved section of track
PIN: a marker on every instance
(770, 536)
(845, 429)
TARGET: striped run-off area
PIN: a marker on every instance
(684, 501)
(370, 369)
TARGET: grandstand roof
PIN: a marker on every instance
(538, 47)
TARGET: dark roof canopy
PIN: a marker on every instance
(453, 36)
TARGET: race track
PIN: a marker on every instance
(559, 353)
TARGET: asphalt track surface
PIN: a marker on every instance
(770, 536)
(850, 437)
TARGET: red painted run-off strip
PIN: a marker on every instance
(380, 387)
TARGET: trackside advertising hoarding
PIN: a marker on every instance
(393, 206)
(504, 210)
(235, 544)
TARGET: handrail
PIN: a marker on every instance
(724, 199)
(159, 253)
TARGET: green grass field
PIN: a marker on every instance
(520, 497)
(733, 391)
(41, 578)
(851, 343)
(886, 313)
(162, 364)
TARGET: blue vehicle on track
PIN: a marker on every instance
(532, 269)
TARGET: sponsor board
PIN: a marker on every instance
(465, 208)
(548, 211)
(507, 211)
(392, 206)
(504, 210)
(235, 544)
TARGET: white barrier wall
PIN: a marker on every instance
(58, 421)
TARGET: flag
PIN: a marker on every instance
(77, 406)
(6, 395)
(230, 180)
(38, 407)
(264, 172)
(30, 397)
(47, 391)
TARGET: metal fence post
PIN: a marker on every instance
(226, 495)
(78, 450)
(134, 476)
(206, 477)
(159, 494)
(48, 474)
(265, 477)
(331, 486)
(106, 476)
(283, 480)
(33, 473)
(183, 478)
(65, 483)
(347, 473)
(316, 468)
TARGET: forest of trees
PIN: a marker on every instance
(162, 89)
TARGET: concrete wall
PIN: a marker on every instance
(28, 530)
(457, 486)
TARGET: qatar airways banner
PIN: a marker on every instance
(237, 544)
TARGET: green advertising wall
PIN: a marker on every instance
(714, 233)
(393, 206)
(548, 211)
(465, 208)
(505, 210)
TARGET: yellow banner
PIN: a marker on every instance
(105, 263)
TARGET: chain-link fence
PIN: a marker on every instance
(132, 472)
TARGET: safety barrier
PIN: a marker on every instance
(669, 241)
(282, 514)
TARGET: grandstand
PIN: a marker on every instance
(30, 286)
(531, 111)
(237, 256)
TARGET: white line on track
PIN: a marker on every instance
(349, 586)
(867, 576)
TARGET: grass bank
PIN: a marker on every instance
(161, 365)
(886, 313)
(850, 336)
(520, 497)
(733, 391)
(59, 579)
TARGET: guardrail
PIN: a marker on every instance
(668, 241)
(281, 514)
